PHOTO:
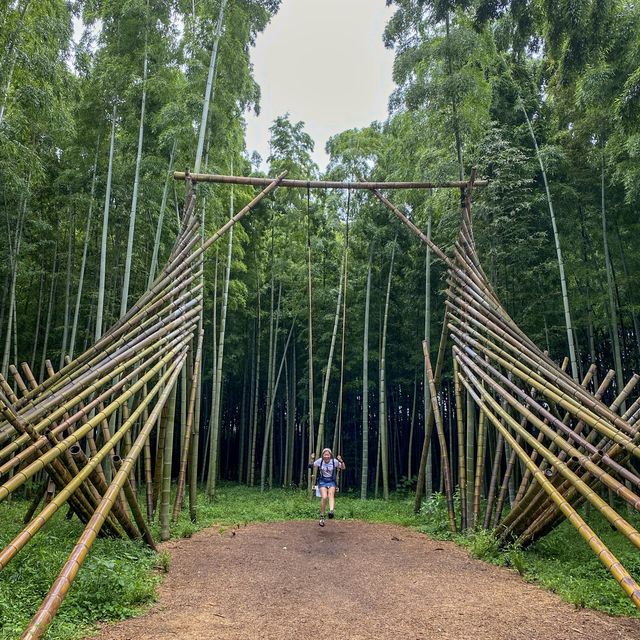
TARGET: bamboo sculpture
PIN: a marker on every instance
(82, 430)
(571, 446)
(101, 408)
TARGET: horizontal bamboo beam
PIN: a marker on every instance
(326, 184)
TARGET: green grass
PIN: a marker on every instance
(237, 504)
(119, 577)
(586, 582)
(115, 581)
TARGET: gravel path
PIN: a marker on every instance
(350, 580)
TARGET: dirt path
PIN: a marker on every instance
(350, 580)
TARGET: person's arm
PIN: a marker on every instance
(312, 458)
(343, 466)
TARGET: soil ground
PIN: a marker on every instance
(350, 580)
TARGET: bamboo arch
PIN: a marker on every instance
(124, 386)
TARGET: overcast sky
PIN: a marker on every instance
(322, 61)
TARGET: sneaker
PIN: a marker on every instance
(321, 523)
(331, 516)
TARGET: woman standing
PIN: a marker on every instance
(327, 471)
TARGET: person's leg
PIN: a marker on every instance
(323, 499)
(332, 499)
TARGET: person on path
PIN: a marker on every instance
(327, 471)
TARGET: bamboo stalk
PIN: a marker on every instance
(443, 441)
(429, 420)
(462, 467)
(182, 473)
(324, 184)
(135, 507)
(45, 614)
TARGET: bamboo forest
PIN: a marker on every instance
(433, 341)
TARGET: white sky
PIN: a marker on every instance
(322, 61)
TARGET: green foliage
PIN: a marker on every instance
(117, 579)
(434, 513)
(164, 559)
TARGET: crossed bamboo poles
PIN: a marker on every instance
(569, 443)
(122, 388)
(571, 446)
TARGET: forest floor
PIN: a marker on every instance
(353, 580)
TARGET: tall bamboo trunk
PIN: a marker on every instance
(47, 328)
(268, 436)
(291, 417)
(36, 333)
(327, 375)
(613, 310)
(274, 388)
(214, 370)
(14, 252)
(217, 400)
(337, 436)
(428, 473)
(470, 457)
(412, 423)
(556, 238)
(310, 347)
(384, 446)
(242, 431)
(625, 269)
(365, 386)
(83, 264)
(163, 205)
(454, 106)
(67, 290)
(208, 90)
(136, 181)
(256, 395)
(105, 231)
(167, 460)
(274, 320)
(587, 286)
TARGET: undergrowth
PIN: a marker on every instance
(116, 579)
(119, 577)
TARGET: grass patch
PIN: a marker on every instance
(119, 577)
(116, 580)
(563, 563)
(240, 505)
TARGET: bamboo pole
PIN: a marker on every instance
(325, 184)
(188, 431)
(443, 441)
(49, 607)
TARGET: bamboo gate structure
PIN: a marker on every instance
(87, 427)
